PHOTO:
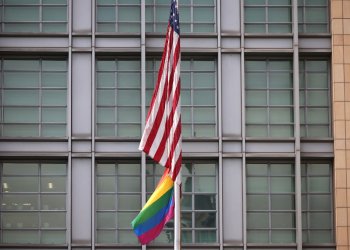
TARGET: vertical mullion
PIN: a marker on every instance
(2, 27)
(40, 89)
(266, 16)
(303, 13)
(306, 100)
(191, 18)
(116, 126)
(154, 9)
(217, 21)
(269, 197)
(268, 107)
(218, 97)
(116, 200)
(116, 9)
(331, 198)
(328, 15)
(39, 205)
(302, 75)
(193, 231)
(193, 132)
(330, 123)
(41, 16)
(307, 200)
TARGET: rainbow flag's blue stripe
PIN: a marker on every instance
(158, 210)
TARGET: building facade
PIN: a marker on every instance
(265, 115)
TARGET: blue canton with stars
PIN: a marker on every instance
(174, 17)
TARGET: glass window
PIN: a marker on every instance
(118, 16)
(118, 201)
(270, 202)
(34, 97)
(199, 216)
(34, 16)
(118, 95)
(198, 94)
(267, 16)
(317, 200)
(313, 16)
(33, 203)
(269, 98)
(315, 98)
(196, 16)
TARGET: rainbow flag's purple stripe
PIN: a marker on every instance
(158, 210)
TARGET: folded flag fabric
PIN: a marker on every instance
(158, 210)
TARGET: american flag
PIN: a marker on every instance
(161, 138)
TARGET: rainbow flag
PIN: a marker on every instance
(158, 210)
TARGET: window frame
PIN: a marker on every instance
(306, 194)
(40, 193)
(40, 88)
(302, 24)
(303, 76)
(268, 90)
(269, 210)
(155, 27)
(41, 6)
(192, 125)
(267, 23)
(116, 230)
(116, 107)
(117, 24)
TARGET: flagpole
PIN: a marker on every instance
(177, 213)
(177, 193)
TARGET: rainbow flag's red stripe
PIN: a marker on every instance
(158, 210)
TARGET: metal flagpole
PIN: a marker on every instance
(177, 213)
(177, 194)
